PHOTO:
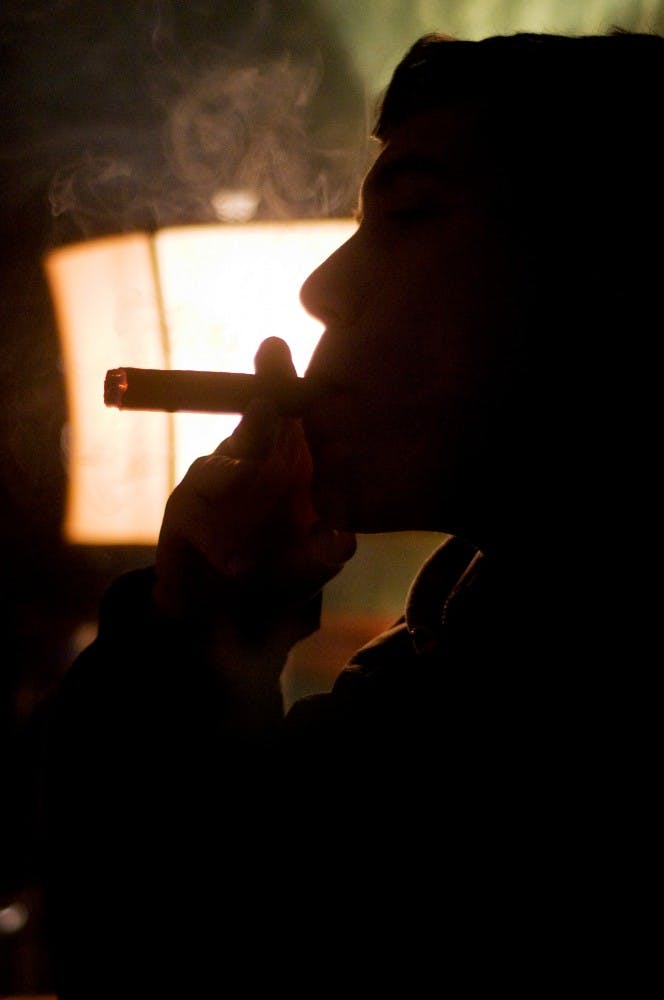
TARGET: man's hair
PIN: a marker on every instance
(600, 72)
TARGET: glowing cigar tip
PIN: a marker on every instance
(115, 386)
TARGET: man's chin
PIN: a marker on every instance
(345, 512)
(331, 506)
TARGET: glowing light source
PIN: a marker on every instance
(198, 297)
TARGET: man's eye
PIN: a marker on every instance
(410, 211)
(403, 213)
(416, 212)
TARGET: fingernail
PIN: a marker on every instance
(273, 354)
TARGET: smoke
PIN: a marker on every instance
(228, 128)
(97, 193)
(244, 128)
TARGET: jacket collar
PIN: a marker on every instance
(439, 589)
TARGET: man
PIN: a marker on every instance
(438, 807)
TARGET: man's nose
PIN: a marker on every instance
(325, 291)
(315, 296)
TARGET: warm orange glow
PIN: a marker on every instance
(199, 297)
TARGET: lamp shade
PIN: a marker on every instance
(193, 297)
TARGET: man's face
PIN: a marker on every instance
(417, 321)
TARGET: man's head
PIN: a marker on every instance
(571, 125)
(470, 314)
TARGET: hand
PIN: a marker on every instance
(240, 540)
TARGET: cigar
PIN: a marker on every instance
(204, 392)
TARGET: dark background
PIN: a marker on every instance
(122, 115)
